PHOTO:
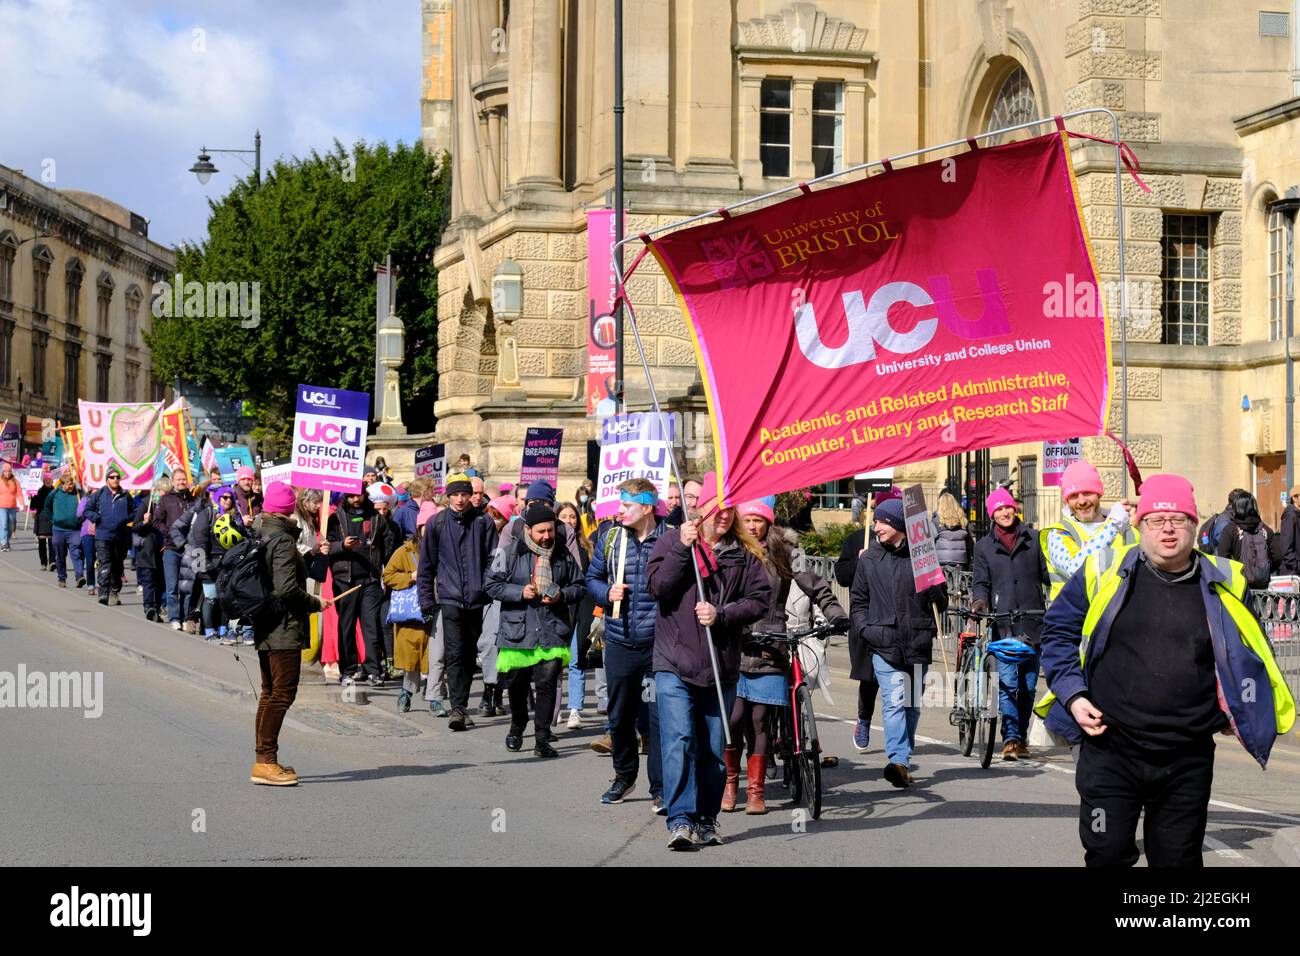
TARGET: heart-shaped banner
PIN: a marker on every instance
(136, 434)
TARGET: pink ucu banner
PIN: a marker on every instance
(923, 312)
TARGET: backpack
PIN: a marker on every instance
(1254, 557)
(1211, 532)
(244, 583)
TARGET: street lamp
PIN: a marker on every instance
(203, 168)
(392, 352)
(507, 306)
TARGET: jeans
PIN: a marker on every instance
(1117, 781)
(1016, 683)
(88, 556)
(280, 673)
(900, 692)
(578, 679)
(110, 554)
(65, 543)
(8, 521)
(176, 601)
(461, 629)
(152, 596)
(691, 739)
(362, 607)
(210, 609)
(626, 668)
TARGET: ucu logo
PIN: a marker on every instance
(330, 433)
(321, 399)
(869, 322)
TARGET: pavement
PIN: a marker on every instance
(161, 777)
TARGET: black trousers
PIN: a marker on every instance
(110, 553)
(461, 629)
(867, 691)
(45, 548)
(362, 607)
(625, 670)
(1117, 781)
(546, 678)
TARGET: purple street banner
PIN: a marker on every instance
(1058, 456)
(329, 438)
(541, 456)
(920, 539)
(431, 462)
(632, 446)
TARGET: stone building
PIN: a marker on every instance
(727, 100)
(76, 274)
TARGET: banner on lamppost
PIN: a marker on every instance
(541, 456)
(602, 330)
(329, 439)
(632, 446)
(431, 463)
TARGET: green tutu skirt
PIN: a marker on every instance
(514, 659)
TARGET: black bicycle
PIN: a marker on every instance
(976, 711)
(796, 742)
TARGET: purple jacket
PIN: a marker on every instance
(740, 589)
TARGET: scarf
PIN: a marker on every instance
(1008, 536)
(542, 570)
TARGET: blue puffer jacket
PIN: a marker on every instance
(111, 513)
(635, 625)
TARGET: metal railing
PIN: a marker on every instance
(1280, 615)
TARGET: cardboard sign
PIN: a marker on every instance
(231, 458)
(431, 462)
(632, 446)
(541, 456)
(920, 540)
(280, 469)
(30, 479)
(1058, 456)
(329, 439)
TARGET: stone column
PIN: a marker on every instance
(536, 56)
(801, 166)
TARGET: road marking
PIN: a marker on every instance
(1228, 853)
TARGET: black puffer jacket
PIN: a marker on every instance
(889, 617)
(192, 535)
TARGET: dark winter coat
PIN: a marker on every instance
(764, 657)
(635, 625)
(166, 512)
(1011, 582)
(528, 624)
(290, 629)
(145, 537)
(739, 589)
(351, 566)
(846, 565)
(111, 513)
(192, 536)
(61, 506)
(44, 526)
(1290, 544)
(455, 553)
(889, 617)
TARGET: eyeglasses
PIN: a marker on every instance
(1177, 522)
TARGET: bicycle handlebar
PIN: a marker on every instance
(802, 634)
(1012, 616)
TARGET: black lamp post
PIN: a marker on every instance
(203, 167)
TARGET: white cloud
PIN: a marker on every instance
(119, 96)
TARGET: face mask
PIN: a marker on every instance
(582, 498)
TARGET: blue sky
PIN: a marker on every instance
(121, 94)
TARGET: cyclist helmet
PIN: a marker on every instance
(227, 532)
(1011, 651)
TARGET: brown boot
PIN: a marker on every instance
(757, 774)
(1022, 749)
(273, 775)
(731, 756)
(1011, 751)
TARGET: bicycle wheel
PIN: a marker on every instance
(810, 762)
(792, 775)
(968, 699)
(988, 726)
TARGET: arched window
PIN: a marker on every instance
(1014, 103)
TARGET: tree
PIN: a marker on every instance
(310, 235)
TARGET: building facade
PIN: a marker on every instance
(76, 274)
(725, 101)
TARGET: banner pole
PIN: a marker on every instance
(672, 460)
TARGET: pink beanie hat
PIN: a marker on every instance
(505, 506)
(1080, 476)
(278, 499)
(999, 499)
(760, 508)
(243, 471)
(427, 510)
(1166, 493)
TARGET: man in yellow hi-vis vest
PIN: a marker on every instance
(1147, 661)
(1082, 531)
